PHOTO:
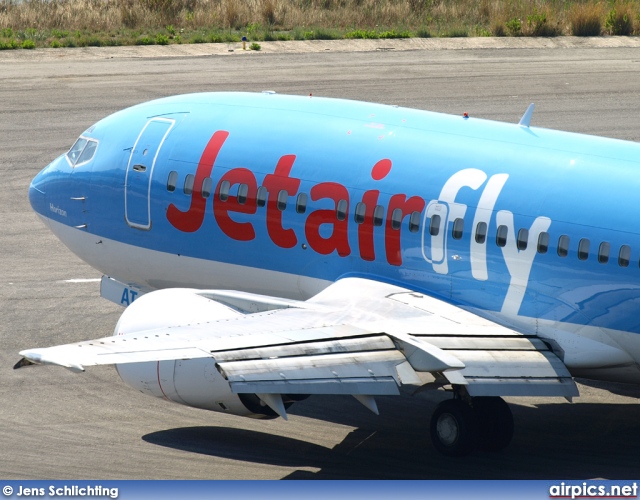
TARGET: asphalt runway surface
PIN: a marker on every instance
(59, 425)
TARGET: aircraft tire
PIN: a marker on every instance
(495, 423)
(454, 428)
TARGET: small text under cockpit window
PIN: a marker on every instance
(82, 151)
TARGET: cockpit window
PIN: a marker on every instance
(82, 151)
(88, 152)
(76, 150)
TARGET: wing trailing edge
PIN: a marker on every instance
(357, 337)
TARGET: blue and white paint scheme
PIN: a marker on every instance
(272, 246)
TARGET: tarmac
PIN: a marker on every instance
(58, 425)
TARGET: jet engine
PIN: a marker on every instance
(191, 382)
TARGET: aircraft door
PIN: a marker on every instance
(142, 160)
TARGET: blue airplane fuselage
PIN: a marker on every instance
(534, 228)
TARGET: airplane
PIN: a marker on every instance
(270, 247)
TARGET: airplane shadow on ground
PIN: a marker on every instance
(560, 441)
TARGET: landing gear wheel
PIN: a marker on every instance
(453, 428)
(495, 423)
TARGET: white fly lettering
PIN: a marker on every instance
(518, 261)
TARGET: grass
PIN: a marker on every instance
(620, 20)
(586, 19)
(81, 23)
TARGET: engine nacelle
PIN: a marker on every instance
(191, 382)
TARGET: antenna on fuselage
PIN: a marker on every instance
(526, 118)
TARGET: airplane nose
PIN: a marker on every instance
(37, 192)
(41, 183)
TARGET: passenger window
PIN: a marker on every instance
(603, 252)
(378, 214)
(543, 242)
(341, 210)
(224, 190)
(523, 239)
(188, 184)
(501, 236)
(458, 227)
(172, 181)
(396, 218)
(301, 203)
(624, 257)
(261, 196)
(358, 216)
(481, 232)
(207, 185)
(563, 246)
(583, 249)
(434, 225)
(414, 222)
(282, 200)
(243, 191)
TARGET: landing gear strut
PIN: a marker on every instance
(460, 425)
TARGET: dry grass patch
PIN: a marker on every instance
(542, 22)
(586, 19)
(620, 19)
(110, 22)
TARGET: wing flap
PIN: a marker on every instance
(530, 387)
(525, 364)
(366, 343)
(474, 343)
(338, 366)
(506, 366)
(382, 386)
(367, 365)
(372, 373)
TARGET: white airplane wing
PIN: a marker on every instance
(357, 337)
